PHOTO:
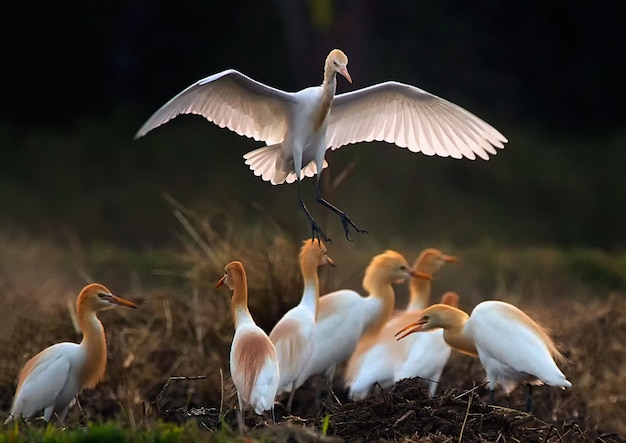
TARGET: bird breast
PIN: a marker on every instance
(253, 354)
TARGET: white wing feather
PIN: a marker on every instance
(233, 100)
(410, 118)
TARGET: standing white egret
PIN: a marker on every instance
(51, 380)
(253, 360)
(293, 334)
(511, 346)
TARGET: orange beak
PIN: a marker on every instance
(418, 274)
(410, 329)
(220, 282)
(449, 258)
(121, 301)
(344, 71)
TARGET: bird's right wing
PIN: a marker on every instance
(233, 100)
(410, 118)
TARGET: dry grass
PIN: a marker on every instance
(184, 328)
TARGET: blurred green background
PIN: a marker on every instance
(80, 78)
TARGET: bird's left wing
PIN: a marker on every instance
(41, 381)
(233, 100)
(410, 118)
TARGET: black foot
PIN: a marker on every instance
(317, 233)
(346, 222)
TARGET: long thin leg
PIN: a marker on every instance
(240, 419)
(293, 391)
(316, 231)
(346, 221)
(492, 399)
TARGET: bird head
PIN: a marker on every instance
(431, 260)
(390, 267)
(451, 299)
(337, 61)
(315, 250)
(234, 272)
(96, 297)
(434, 317)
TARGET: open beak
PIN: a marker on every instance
(410, 329)
(220, 282)
(344, 71)
(121, 301)
(418, 274)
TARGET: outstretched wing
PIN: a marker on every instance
(232, 100)
(410, 118)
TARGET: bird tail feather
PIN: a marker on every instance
(268, 163)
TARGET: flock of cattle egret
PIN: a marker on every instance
(321, 333)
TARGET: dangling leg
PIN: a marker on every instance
(316, 231)
(346, 222)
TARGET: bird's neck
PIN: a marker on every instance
(239, 304)
(420, 294)
(383, 291)
(329, 86)
(456, 335)
(95, 348)
(310, 295)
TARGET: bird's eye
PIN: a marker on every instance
(403, 268)
(102, 295)
(426, 317)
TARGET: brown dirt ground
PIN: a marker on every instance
(185, 329)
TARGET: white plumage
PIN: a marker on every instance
(344, 316)
(51, 380)
(293, 334)
(510, 345)
(253, 361)
(298, 127)
(384, 360)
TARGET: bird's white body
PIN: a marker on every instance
(253, 360)
(385, 360)
(310, 121)
(294, 334)
(427, 356)
(53, 383)
(294, 350)
(510, 345)
(51, 380)
(510, 348)
(258, 390)
(343, 317)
